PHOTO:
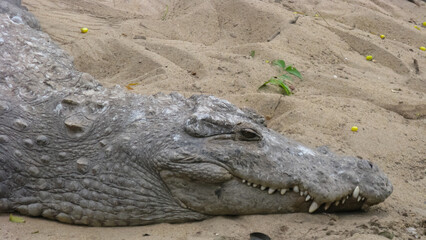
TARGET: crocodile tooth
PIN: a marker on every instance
(347, 197)
(254, 185)
(337, 203)
(244, 181)
(307, 198)
(301, 193)
(359, 199)
(327, 205)
(262, 187)
(363, 198)
(296, 189)
(283, 191)
(249, 183)
(271, 190)
(355, 194)
(343, 200)
(314, 206)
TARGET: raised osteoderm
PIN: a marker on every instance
(77, 152)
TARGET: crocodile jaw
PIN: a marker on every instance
(234, 197)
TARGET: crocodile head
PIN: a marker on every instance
(227, 162)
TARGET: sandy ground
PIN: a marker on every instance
(194, 46)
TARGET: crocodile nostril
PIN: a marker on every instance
(371, 164)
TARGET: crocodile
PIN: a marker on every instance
(74, 151)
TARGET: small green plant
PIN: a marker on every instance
(283, 80)
(252, 53)
(165, 13)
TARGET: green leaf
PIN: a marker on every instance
(287, 90)
(293, 71)
(282, 80)
(16, 219)
(285, 77)
(279, 83)
(252, 53)
(279, 63)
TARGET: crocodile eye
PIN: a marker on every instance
(248, 134)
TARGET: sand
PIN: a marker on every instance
(195, 47)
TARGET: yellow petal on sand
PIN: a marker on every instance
(16, 219)
(129, 86)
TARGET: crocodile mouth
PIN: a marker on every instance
(353, 198)
(237, 196)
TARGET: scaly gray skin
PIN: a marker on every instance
(13, 8)
(76, 152)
